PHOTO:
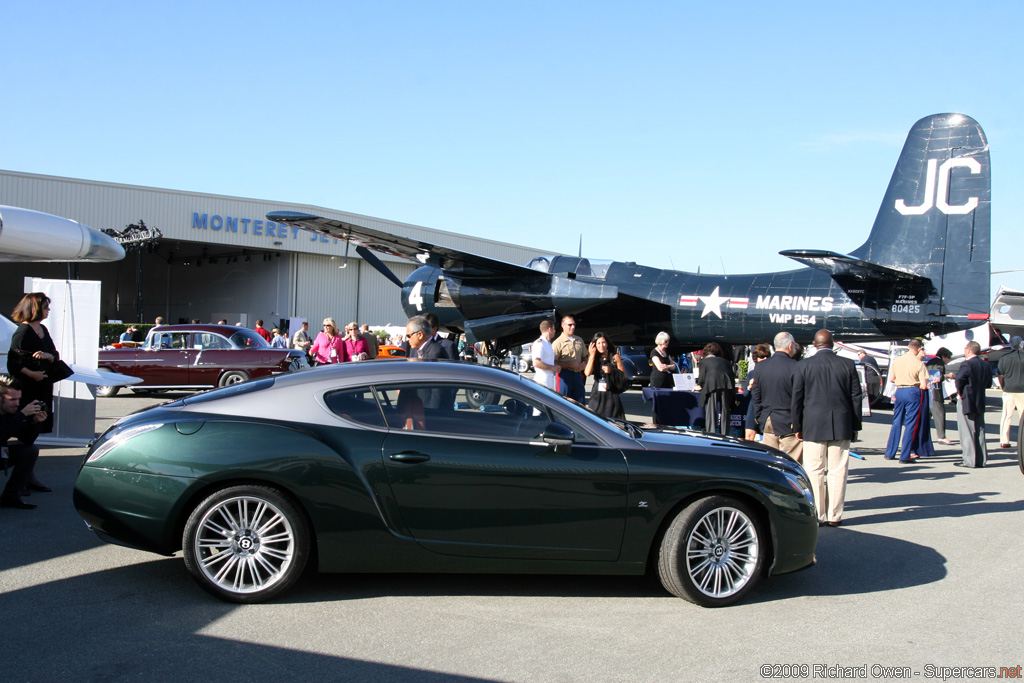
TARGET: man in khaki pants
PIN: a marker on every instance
(773, 397)
(826, 413)
(1011, 379)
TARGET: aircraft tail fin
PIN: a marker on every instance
(935, 219)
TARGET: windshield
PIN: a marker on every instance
(582, 411)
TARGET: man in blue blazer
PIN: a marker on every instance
(972, 379)
(827, 398)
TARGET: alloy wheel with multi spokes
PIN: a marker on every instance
(246, 543)
(712, 552)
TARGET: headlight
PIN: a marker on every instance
(800, 485)
(118, 438)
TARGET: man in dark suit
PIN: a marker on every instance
(446, 345)
(421, 339)
(826, 415)
(773, 397)
(972, 379)
(422, 345)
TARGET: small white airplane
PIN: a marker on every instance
(27, 235)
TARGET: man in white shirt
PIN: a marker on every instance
(544, 368)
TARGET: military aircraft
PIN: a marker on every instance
(924, 268)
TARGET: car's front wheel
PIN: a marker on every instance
(246, 544)
(712, 552)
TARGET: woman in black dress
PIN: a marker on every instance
(662, 365)
(750, 427)
(603, 357)
(717, 388)
(32, 353)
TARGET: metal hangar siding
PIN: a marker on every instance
(219, 257)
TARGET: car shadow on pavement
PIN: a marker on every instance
(145, 622)
(852, 562)
(906, 507)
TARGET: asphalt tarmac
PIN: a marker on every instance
(921, 579)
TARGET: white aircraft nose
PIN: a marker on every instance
(102, 247)
(27, 235)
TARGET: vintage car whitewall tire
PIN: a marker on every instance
(106, 392)
(232, 377)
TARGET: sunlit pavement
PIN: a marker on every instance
(923, 573)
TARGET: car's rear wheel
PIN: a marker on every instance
(712, 552)
(232, 377)
(106, 392)
(246, 544)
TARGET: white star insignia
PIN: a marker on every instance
(713, 303)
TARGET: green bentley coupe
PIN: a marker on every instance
(420, 466)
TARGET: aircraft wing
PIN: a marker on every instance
(450, 260)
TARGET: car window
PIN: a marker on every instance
(245, 338)
(169, 340)
(208, 340)
(466, 410)
(357, 405)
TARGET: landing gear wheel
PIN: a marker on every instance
(476, 398)
(246, 544)
(712, 552)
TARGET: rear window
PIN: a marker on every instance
(356, 405)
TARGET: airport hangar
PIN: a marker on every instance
(219, 258)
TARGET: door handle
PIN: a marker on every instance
(409, 457)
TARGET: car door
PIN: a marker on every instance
(470, 476)
(212, 353)
(166, 359)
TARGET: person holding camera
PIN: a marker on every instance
(605, 365)
(20, 458)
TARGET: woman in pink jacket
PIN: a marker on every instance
(329, 346)
(355, 346)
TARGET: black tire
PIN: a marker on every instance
(232, 377)
(107, 392)
(712, 552)
(1020, 444)
(246, 544)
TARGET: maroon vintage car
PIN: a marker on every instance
(198, 357)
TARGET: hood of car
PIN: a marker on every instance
(676, 439)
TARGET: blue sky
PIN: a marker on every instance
(669, 134)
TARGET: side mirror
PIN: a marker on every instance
(559, 437)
